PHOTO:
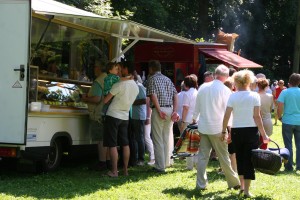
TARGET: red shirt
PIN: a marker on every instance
(278, 90)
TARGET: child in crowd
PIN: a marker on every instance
(113, 76)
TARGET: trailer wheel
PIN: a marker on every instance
(53, 159)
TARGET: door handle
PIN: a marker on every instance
(22, 72)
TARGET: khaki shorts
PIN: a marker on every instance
(96, 130)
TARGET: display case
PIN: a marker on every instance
(61, 93)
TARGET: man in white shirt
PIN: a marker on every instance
(211, 103)
(117, 118)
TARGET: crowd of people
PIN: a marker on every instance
(233, 111)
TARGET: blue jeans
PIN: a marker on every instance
(288, 131)
(137, 127)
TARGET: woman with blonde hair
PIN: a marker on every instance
(266, 100)
(246, 125)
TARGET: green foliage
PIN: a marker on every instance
(266, 28)
(101, 7)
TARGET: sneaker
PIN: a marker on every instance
(151, 162)
(140, 163)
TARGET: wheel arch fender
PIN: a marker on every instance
(65, 138)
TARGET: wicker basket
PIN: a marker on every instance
(266, 161)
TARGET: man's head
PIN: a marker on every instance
(154, 66)
(208, 76)
(127, 68)
(294, 80)
(99, 67)
(260, 75)
(231, 71)
(222, 73)
(281, 83)
(229, 83)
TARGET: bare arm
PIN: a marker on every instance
(185, 111)
(226, 118)
(225, 122)
(280, 110)
(175, 117)
(92, 99)
(148, 111)
(258, 122)
(107, 98)
(175, 103)
(154, 100)
(196, 110)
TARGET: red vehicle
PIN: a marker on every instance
(179, 60)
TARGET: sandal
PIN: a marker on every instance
(112, 175)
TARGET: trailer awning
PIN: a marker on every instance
(229, 58)
(106, 26)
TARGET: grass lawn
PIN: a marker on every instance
(75, 181)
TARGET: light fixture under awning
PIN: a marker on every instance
(230, 58)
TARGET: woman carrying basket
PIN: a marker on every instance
(247, 123)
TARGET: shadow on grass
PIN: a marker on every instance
(73, 179)
(206, 194)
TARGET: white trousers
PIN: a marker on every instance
(148, 141)
(161, 137)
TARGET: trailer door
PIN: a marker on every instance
(14, 53)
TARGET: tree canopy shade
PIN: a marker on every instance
(266, 28)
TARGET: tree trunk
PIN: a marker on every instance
(297, 43)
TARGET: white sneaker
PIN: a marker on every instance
(151, 162)
(140, 163)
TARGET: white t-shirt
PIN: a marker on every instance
(179, 103)
(243, 103)
(211, 104)
(125, 93)
(189, 100)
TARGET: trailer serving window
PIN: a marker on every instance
(65, 58)
(65, 51)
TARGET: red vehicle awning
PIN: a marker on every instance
(229, 58)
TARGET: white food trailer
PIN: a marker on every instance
(47, 51)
